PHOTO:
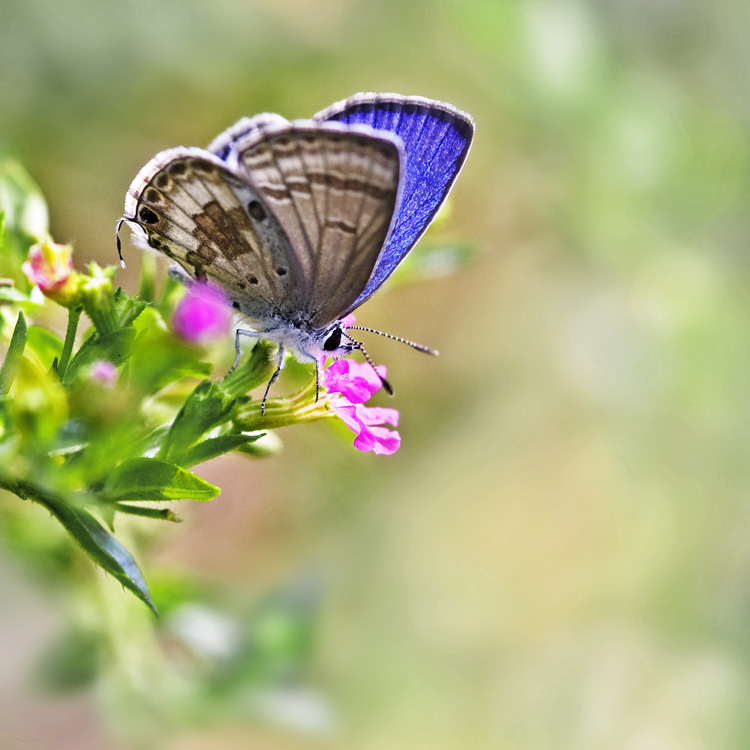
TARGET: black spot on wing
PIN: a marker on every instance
(256, 211)
(147, 215)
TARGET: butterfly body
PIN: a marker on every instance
(301, 222)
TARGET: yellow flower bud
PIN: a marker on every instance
(50, 267)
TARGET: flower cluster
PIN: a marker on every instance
(350, 384)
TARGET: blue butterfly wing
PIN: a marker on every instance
(436, 140)
(224, 145)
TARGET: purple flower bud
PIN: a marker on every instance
(105, 372)
(203, 314)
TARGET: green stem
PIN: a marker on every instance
(36, 493)
(252, 372)
(165, 514)
(148, 273)
(281, 412)
(74, 315)
(273, 419)
(166, 302)
(10, 485)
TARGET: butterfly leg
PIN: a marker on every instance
(273, 379)
(238, 350)
(317, 373)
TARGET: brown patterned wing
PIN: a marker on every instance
(198, 211)
(333, 189)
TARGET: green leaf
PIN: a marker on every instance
(61, 365)
(12, 294)
(268, 444)
(151, 441)
(22, 202)
(158, 358)
(19, 300)
(127, 308)
(37, 407)
(14, 354)
(139, 479)
(217, 446)
(102, 547)
(45, 344)
(114, 347)
(206, 407)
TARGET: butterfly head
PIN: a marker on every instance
(340, 343)
(309, 343)
(336, 343)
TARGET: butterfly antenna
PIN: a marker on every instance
(414, 345)
(358, 345)
(119, 244)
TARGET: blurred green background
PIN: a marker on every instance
(559, 554)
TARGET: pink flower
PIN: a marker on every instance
(355, 383)
(105, 372)
(202, 314)
(50, 267)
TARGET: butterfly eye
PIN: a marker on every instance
(333, 341)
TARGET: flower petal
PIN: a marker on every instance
(354, 381)
(375, 415)
(380, 440)
(347, 413)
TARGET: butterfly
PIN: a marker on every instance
(301, 222)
